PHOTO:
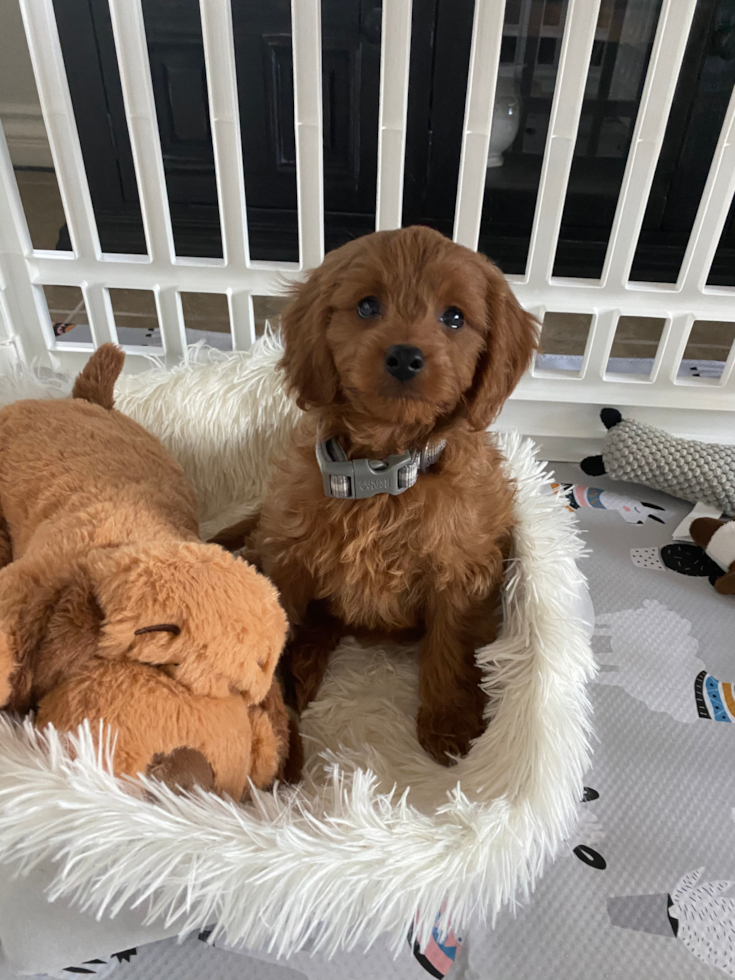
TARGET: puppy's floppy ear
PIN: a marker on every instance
(511, 339)
(307, 360)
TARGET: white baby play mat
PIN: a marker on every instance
(377, 832)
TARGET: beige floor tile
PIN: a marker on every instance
(637, 336)
(134, 308)
(206, 311)
(565, 333)
(62, 301)
(710, 340)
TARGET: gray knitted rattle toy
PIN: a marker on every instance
(684, 468)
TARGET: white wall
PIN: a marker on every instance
(19, 109)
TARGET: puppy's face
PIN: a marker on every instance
(407, 327)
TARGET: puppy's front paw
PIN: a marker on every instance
(447, 733)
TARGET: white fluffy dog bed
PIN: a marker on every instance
(377, 831)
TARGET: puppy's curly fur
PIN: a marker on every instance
(429, 561)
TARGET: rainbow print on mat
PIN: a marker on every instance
(715, 699)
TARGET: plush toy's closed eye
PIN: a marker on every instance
(159, 628)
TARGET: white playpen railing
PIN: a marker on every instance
(560, 408)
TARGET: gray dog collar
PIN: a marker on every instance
(356, 479)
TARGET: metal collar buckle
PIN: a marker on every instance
(357, 479)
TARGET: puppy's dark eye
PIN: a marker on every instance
(368, 307)
(453, 318)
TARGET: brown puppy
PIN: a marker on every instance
(397, 341)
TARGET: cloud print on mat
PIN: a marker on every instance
(653, 656)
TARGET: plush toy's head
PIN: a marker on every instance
(207, 619)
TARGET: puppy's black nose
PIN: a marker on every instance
(403, 361)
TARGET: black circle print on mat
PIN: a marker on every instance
(689, 559)
(586, 854)
(590, 857)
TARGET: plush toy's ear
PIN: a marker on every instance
(26, 605)
(134, 623)
(511, 338)
(610, 417)
(307, 360)
(593, 466)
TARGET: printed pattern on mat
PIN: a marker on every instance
(632, 511)
(589, 833)
(653, 656)
(697, 913)
(441, 950)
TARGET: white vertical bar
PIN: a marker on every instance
(487, 34)
(653, 114)
(672, 346)
(599, 342)
(61, 128)
(306, 32)
(727, 378)
(171, 321)
(713, 209)
(28, 326)
(224, 114)
(395, 57)
(579, 34)
(140, 109)
(99, 310)
(242, 321)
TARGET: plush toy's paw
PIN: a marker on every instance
(182, 770)
(610, 417)
(264, 751)
(446, 732)
(593, 466)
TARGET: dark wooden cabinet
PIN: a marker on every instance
(441, 37)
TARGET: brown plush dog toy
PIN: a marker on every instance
(112, 610)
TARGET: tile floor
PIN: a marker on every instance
(563, 333)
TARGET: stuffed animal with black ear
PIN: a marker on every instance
(717, 539)
(640, 453)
